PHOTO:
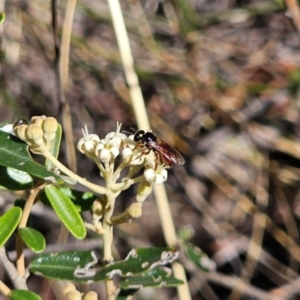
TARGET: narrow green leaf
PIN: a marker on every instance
(140, 260)
(8, 223)
(66, 211)
(13, 179)
(55, 147)
(14, 154)
(62, 265)
(83, 266)
(33, 239)
(23, 295)
(82, 200)
(198, 257)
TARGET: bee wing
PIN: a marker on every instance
(167, 151)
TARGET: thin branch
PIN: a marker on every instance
(18, 281)
(64, 82)
(25, 215)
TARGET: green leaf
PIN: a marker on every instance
(14, 154)
(83, 266)
(8, 223)
(13, 179)
(139, 260)
(198, 257)
(2, 18)
(82, 200)
(62, 265)
(66, 211)
(55, 147)
(156, 277)
(23, 295)
(33, 239)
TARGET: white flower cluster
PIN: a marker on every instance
(106, 150)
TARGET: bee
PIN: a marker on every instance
(164, 153)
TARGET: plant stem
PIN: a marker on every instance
(93, 187)
(119, 169)
(18, 281)
(25, 215)
(110, 289)
(108, 238)
(4, 289)
(107, 228)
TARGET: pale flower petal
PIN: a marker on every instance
(114, 151)
(105, 155)
(158, 175)
(89, 146)
(150, 175)
(126, 152)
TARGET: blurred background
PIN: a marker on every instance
(220, 81)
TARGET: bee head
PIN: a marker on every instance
(138, 137)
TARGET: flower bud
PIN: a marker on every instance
(74, 295)
(38, 120)
(97, 207)
(143, 191)
(20, 131)
(135, 210)
(49, 127)
(91, 295)
(34, 133)
(68, 288)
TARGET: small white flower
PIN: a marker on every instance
(109, 147)
(129, 142)
(126, 152)
(116, 137)
(129, 153)
(131, 158)
(114, 151)
(88, 143)
(104, 154)
(138, 159)
(152, 175)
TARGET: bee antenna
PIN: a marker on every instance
(130, 132)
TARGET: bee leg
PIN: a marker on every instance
(158, 160)
(146, 151)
